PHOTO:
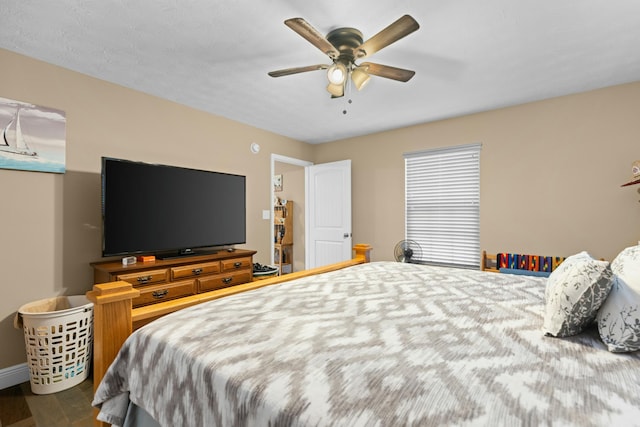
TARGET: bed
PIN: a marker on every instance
(371, 344)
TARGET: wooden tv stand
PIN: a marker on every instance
(163, 280)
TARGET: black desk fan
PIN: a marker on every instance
(407, 251)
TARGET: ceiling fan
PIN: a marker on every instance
(344, 46)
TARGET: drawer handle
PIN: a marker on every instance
(160, 294)
(227, 280)
(237, 264)
(144, 279)
(196, 271)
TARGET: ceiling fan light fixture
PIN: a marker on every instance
(337, 73)
(337, 90)
(360, 77)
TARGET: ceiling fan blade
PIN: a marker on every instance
(296, 70)
(394, 32)
(312, 35)
(388, 72)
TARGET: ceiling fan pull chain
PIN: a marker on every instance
(347, 84)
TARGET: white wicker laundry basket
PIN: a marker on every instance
(58, 334)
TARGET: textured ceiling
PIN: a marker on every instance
(468, 55)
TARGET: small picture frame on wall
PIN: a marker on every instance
(32, 137)
(277, 183)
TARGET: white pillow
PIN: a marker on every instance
(575, 291)
(619, 316)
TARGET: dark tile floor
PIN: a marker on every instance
(19, 407)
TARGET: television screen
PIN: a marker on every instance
(167, 210)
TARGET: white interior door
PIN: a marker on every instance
(328, 213)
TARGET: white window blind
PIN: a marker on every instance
(442, 199)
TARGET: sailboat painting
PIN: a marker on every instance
(32, 137)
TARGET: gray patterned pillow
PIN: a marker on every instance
(575, 291)
(619, 316)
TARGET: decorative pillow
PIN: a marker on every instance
(619, 316)
(574, 293)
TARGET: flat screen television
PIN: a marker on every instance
(169, 211)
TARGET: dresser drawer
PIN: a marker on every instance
(236, 264)
(194, 270)
(219, 281)
(142, 278)
(157, 293)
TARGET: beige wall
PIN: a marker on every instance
(550, 181)
(50, 227)
(550, 174)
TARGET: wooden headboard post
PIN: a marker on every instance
(111, 325)
(363, 251)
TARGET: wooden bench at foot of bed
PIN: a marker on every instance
(114, 319)
(534, 265)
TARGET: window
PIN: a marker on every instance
(442, 202)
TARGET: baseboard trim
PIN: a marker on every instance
(14, 375)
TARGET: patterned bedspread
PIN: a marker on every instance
(379, 344)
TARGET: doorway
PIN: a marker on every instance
(291, 188)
